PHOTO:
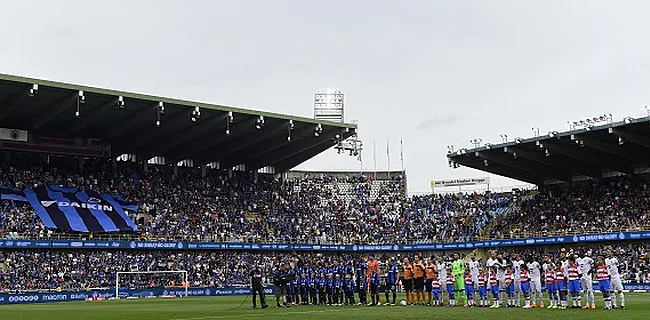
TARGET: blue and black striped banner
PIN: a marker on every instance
(73, 209)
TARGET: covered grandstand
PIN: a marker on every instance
(60, 118)
(592, 152)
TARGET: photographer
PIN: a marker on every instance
(257, 288)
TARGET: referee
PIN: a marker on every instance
(257, 288)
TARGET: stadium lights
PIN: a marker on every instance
(196, 114)
(229, 120)
(504, 137)
(535, 131)
(160, 110)
(463, 151)
(628, 120)
(119, 103)
(33, 91)
(488, 146)
(476, 142)
(518, 140)
(290, 127)
(259, 123)
(81, 99)
(590, 122)
(450, 149)
(552, 133)
(318, 130)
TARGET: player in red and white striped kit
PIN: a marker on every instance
(551, 289)
(560, 283)
(573, 276)
(604, 285)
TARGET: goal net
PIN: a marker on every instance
(151, 280)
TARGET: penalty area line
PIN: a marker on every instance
(265, 314)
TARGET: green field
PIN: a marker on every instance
(638, 307)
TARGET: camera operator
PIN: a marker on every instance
(257, 288)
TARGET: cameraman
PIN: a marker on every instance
(257, 288)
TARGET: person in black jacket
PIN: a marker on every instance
(257, 287)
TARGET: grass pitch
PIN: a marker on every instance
(216, 308)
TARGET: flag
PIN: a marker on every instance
(12, 193)
(73, 209)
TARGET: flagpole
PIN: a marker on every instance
(374, 157)
(401, 153)
(388, 155)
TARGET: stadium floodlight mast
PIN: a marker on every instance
(117, 278)
(450, 149)
(504, 137)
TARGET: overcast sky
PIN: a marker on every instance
(432, 73)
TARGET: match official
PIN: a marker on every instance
(257, 287)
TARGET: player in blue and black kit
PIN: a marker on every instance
(338, 290)
(374, 288)
(363, 292)
(392, 275)
(331, 287)
(348, 288)
(322, 289)
(303, 288)
(361, 276)
(313, 289)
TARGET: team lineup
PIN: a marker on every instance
(435, 281)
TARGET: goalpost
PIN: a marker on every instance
(119, 273)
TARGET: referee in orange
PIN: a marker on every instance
(418, 278)
(408, 280)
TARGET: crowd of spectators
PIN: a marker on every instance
(213, 206)
(613, 204)
(194, 205)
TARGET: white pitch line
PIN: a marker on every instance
(265, 314)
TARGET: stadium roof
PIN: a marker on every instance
(561, 157)
(132, 129)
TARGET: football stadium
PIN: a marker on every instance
(183, 210)
(118, 205)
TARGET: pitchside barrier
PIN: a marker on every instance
(180, 245)
(125, 293)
